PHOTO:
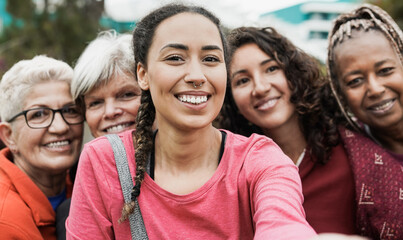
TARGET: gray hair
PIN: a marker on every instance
(110, 54)
(23, 76)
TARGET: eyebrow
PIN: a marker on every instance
(184, 47)
(380, 63)
(211, 47)
(377, 64)
(175, 45)
(244, 71)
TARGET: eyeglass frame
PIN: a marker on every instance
(54, 111)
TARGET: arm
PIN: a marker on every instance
(276, 195)
(89, 211)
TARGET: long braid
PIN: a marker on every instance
(142, 40)
(363, 18)
(144, 145)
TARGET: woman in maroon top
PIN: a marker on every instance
(275, 89)
(366, 73)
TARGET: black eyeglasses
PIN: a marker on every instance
(42, 117)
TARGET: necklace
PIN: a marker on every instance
(299, 160)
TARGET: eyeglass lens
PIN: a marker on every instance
(42, 117)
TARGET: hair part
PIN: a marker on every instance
(106, 57)
(143, 35)
(17, 82)
(364, 18)
(305, 81)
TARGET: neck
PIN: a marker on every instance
(184, 161)
(49, 184)
(184, 151)
(289, 138)
(391, 139)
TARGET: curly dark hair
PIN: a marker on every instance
(305, 81)
(142, 39)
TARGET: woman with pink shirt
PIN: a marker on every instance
(191, 180)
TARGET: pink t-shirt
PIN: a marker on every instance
(255, 193)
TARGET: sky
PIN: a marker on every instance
(232, 13)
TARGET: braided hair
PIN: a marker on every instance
(142, 39)
(364, 18)
(305, 81)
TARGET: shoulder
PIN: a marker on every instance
(101, 149)
(258, 152)
(16, 219)
(240, 142)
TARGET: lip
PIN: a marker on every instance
(266, 103)
(382, 107)
(119, 127)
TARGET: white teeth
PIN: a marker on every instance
(383, 106)
(192, 99)
(57, 144)
(117, 128)
(268, 104)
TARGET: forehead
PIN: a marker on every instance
(249, 53)
(48, 93)
(185, 28)
(363, 42)
(363, 48)
(115, 82)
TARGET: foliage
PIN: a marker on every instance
(393, 7)
(58, 29)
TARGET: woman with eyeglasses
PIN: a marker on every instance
(42, 128)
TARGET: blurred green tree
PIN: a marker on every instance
(393, 7)
(60, 29)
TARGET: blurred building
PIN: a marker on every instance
(5, 18)
(307, 24)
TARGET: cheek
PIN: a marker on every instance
(29, 138)
(77, 131)
(241, 99)
(134, 106)
(93, 119)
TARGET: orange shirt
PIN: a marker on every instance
(25, 211)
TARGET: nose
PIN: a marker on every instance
(195, 74)
(58, 125)
(112, 110)
(375, 88)
(261, 86)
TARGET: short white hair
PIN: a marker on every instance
(23, 76)
(109, 55)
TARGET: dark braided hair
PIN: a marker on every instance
(364, 18)
(142, 39)
(305, 81)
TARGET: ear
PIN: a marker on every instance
(6, 135)
(142, 77)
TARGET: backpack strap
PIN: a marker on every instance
(137, 228)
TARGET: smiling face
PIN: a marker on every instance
(50, 150)
(370, 75)
(186, 51)
(112, 108)
(260, 89)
